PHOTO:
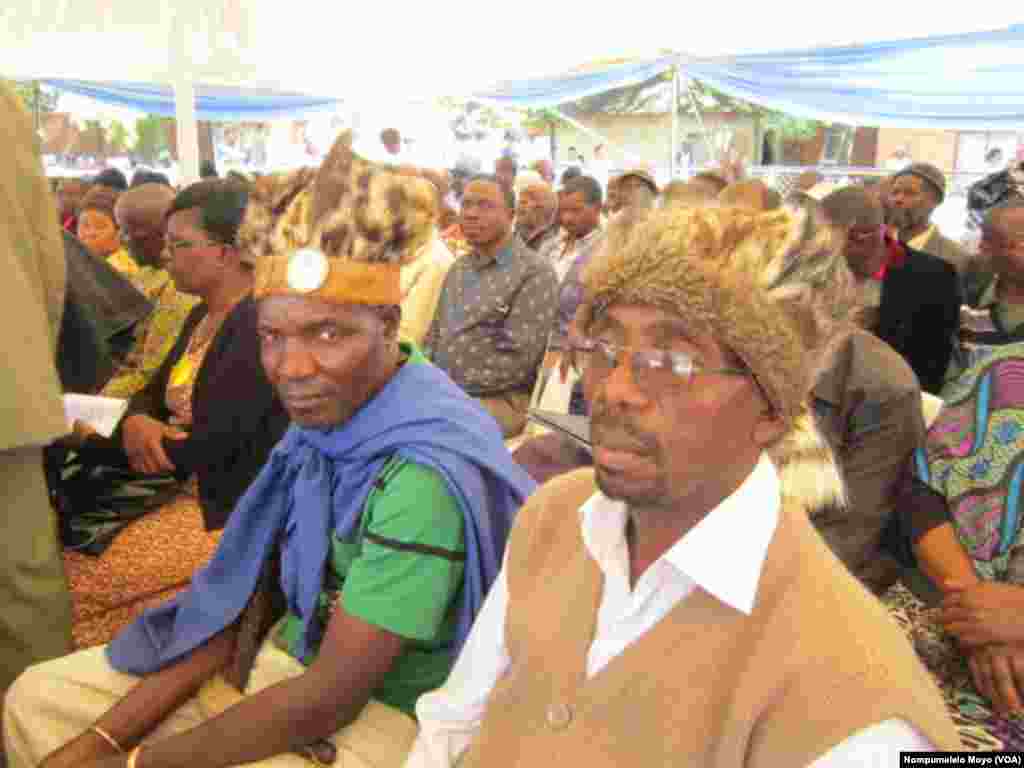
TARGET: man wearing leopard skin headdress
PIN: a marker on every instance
(377, 525)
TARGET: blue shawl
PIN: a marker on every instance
(317, 481)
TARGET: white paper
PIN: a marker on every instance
(100, 413)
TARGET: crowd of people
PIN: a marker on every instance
(786, 531)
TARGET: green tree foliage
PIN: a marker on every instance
(35, 96)
(151, 137)
(118, 136)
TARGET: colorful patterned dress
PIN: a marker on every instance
(974, 458)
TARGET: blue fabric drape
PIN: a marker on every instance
(212, 102)
(956, 82)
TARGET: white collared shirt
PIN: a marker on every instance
(566, 250)
(450, 716)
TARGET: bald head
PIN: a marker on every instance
(853, 207)
(1002, 241)
(859, 214)
(146, 201)
(140, 215)
(537, 204)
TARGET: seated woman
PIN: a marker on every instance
(98, 231)
(209, 411)
(961, 512)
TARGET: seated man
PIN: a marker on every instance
(912, 197)
(635, 189)
(379, 521)
(671, 606)
(582, 237)
(537, 215)
(579, 213)
(140, 216)
(496, 308)
(999, 316)
(914, 298)
(867, 403)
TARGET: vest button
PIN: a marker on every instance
(559, 716)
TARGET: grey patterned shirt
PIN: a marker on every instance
(492, 321)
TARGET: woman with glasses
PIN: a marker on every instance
(209, 410)
(208, 415)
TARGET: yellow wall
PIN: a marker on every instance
(647, 136)
(935, 147)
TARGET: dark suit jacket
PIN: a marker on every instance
(920, 315)
(236, 416)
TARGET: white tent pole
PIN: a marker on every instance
(188, 131)
(675, 123)
(700, 120)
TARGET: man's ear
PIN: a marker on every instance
(392, 320)
(769, 427)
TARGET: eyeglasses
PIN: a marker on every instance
(179, 245)
(654, 371)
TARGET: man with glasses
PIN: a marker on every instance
(913, 297)
(673, 606)
(140, 216)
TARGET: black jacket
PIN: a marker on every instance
(920, 315)
(101, 311)
(236, 417)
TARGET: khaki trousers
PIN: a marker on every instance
(54, 702)
(509, 410)
(35, 608)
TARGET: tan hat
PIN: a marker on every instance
(340, 232)
(643, 175)
(927, 173)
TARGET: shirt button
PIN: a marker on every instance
(559, 716)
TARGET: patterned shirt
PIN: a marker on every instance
(492, 320)
(155, 335)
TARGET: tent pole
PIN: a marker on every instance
(700, 121)
(675, 124)
(188, 131)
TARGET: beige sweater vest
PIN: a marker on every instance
(816, 661)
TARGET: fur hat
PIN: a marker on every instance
(642, 175)
(750, 193)
(772, 287)
(340, 232)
